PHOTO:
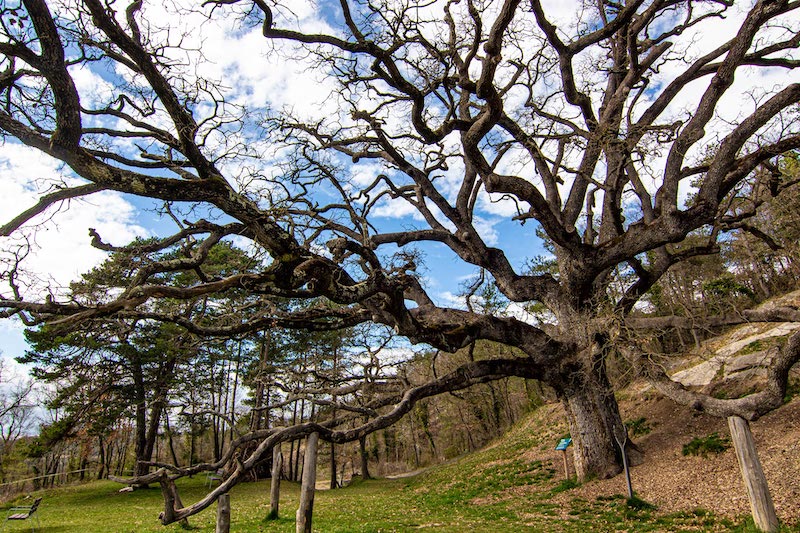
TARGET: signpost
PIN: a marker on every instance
(562, 445)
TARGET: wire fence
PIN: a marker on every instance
(12, 488)
(48, 476)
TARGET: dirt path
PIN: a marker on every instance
(410, 473)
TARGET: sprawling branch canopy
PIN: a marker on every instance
(592, 126)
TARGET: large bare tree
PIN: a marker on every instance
(590, 120)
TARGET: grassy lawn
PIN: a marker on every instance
(468, 503)
(495, 490)
(464, 505)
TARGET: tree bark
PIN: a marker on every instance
(594, 453)
(82, 468)
(168, 430)
(224, 513)
(334, 483)
(306, 508)
(297, 450)
(192, 442)
(753, 475)
(362, 452)
(158, 405)
(101, 450)
(122, 453)
(414, 444)
(216, 402)
(260, 390)
(141, 419)
(147, 426)
(594, 419)
(275, 482)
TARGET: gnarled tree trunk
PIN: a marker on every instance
(594, 419)
(591, 417)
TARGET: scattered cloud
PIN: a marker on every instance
(487, 229)
(58, 244)
(450, 299)
(396, 208)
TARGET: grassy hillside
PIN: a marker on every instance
(516, 484)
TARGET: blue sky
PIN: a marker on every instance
(259, 77)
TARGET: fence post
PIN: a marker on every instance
(753, 475)
(275, 482)
(306, 508)
(224, 513)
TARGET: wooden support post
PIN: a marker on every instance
(224, 513)
(566, 465)
(306, 508)
(753, 475)
(275, 482)
(627, 468)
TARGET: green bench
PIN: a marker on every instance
(23, 513)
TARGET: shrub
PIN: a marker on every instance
(639, 427)
(707, 445)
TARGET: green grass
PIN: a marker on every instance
(705, 446)
(497, 489)
(639, 427)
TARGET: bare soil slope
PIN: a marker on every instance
(675, 482)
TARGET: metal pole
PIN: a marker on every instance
(625, 465)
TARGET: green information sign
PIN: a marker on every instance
(563, 443)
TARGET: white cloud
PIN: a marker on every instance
(500, 205)
(91, 86)
(252, 70)
(396, 208)
(60, 244)
(486, 229)
(364, 174)
(450, 299)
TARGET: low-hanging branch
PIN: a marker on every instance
(780, 361)
(770, 314)
(47, 201)
(465, 376)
